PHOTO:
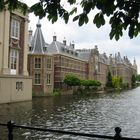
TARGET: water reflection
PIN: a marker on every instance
(99, 113)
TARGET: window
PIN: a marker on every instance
(48, 62)
(48, 81)
(30, 48)
(37, 63)
(44, 49)
(37, 78)
(15, 27)
(19, 86)
(99, 69)
(13, 60)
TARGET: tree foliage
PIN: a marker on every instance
(133, 80)
(72, 80)
(117, 82)
(109, 80)
(138, 77)
(122, 14)
(89, 83)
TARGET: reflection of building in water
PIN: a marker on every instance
(64, 59)
(15, 84)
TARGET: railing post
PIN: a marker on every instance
(10, 130)
(118, 134)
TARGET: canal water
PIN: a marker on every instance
(94, 114)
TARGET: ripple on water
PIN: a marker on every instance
(97, 114)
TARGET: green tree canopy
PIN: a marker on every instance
(109, 80)
(72, 80)
(89, 83)
(117, 82)
(122, 14)
(133, 80)
(138, 77)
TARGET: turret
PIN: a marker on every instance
(54, 37)
(64, 41)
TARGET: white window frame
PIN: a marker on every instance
(37, 63)
(48, 79)
(49, 63)
(13, 61)
(15, 28)
(37, 78)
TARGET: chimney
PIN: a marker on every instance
(64, 41)
(72, 44)
(30, 32)
(54, 38)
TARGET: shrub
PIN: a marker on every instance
(56, 92)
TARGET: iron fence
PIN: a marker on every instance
(11, 125)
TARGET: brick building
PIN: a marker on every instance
(85, 63)
(40, 64)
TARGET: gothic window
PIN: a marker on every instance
(13, 61)
(37, 78)
(48, 80)
(37, 62)
(15, 28)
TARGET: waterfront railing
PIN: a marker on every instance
(11, 125)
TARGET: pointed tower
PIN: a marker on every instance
(134, 64)
(38, 43)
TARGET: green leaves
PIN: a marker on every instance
(72, 1)
(2, 5)
(83, 18)
(123, 14)
(72, 80)
(12, 5)
(74, 10)
(89, 83)
(99, 20)
(38, 10)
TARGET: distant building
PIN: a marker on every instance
(85, 63)
(15, 84)
(40, 64)
(66, 61)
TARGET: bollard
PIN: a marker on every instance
(117, 135)
(10, 130)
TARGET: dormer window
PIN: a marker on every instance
(30, 48)
(44, 49)
(15, 28)
(76, 54)
(62, 49)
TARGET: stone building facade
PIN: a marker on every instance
(15, 84)
(85, 63)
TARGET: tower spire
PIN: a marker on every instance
(38, 24)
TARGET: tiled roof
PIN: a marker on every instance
(38, 43)
(57, 47)
(84, 55)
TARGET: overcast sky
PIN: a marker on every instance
(88, 36)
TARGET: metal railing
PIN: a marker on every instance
(11, 125)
